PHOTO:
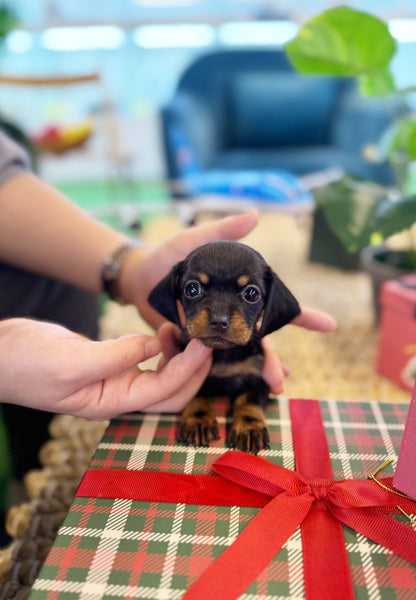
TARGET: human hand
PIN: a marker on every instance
(274, 372)
(45, 366)
(144, 268)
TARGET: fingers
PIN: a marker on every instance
(104, 359)
(316, 320)
(273, 371)
(233, 227)
(230, 228)
(168, 335)
(170, 388)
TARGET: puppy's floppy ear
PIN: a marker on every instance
(164, 295)
(280, 307)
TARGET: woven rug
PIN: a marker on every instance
(337, 366)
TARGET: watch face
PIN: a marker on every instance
(111, 268)
(110, 271)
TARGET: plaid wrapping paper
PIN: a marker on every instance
(113, 549)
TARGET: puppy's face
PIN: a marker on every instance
(222, 293)
(225, 289)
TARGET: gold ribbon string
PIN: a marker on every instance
(373, 477)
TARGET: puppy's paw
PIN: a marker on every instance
(248, 430)
(198, 425)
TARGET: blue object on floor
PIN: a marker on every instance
(266, 186)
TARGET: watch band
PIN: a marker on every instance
(111, 268)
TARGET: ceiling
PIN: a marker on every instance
(43, 13)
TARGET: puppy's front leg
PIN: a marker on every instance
(198, 424)
(248, 428)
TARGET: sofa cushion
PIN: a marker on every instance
(300, 161)
(280, 109)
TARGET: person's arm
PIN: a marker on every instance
(42, 231)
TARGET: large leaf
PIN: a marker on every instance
(404, 139)
(377, 83)
(399, 141)
(8, 20)
(394, 216)
(342, 41)
(359, 211)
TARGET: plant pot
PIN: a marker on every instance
(327, 248)
(381, 264)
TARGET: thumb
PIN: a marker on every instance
(110, 357)
(311, 318)
(232, 227)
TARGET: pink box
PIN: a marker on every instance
(405, 475)
(397, 340)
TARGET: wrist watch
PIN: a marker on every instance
(111, 267)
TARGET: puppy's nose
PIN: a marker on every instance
(220, 323)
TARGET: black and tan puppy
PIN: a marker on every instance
(230, 299)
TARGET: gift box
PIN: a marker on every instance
(153, 518)
(405, 475)
(396, 357)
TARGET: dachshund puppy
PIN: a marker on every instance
(226, 295)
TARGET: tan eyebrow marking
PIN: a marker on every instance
(203, 277)
(242, 280)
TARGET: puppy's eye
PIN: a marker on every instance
(251, 294)
(193, 289)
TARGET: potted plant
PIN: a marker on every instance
(8, 20)
(349, 43)
(362, 215)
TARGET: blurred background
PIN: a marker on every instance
(139, 48)
(88, 83)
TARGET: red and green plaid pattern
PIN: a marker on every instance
(113, 549)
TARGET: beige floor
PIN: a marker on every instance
(338, 365)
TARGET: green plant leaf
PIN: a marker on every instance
(406, 138)
(399, 140)
(8, 20)
(393, 216)
(386, 142)
(342, 41)
(377, 83)
(359, 212)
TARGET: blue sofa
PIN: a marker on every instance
(248, 111)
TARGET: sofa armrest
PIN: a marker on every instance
(189, 135)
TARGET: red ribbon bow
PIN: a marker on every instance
(309, 497)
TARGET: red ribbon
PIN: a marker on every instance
(309, 497)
